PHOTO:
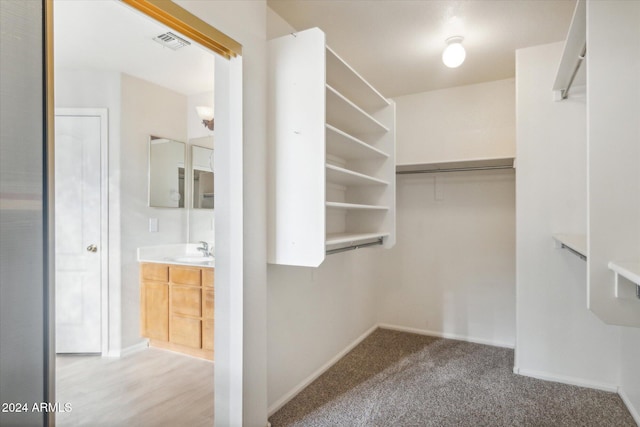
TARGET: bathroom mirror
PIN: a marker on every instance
(166, 173)
(202, 177)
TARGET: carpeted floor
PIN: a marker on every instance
(400, 379)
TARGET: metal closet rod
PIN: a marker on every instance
(353, 247)
(573, 251)
(565, 92)
(467, 169)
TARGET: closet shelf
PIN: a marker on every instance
(352, 238)
(353, 206)
(348, 82)
(575, 243)
(348, 147)
(341, 176)
(573, 54)
(344, 114)
(457, 166)
(630, 270)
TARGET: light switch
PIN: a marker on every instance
(153, 225)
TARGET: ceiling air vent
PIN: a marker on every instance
(171, 41)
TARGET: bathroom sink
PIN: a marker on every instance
(195, 259)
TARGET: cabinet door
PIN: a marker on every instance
(186, 300)
(155, 310)
(207, 306)
(186, 331)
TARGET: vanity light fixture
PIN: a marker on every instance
(454, 54)
(206, 115)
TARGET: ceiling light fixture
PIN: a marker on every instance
(206, 115)
(454, 54)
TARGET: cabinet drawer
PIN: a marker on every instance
(207, 335)
(184, 275)
(155, 272)
(207, 277)
(207, 306)
(185, 331)
(186, 300)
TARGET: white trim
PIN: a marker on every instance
(105, 319)
(311, 378)
(142, 345)
(632, 409)
(446, 335)
(580, 382)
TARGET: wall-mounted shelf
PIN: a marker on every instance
(348, 82)
(354, 206)
(342, 176)
(629, 270)
(344, 114)
(457, 166)
(332, 155)
(575, 243)
(343, 145)
(570, 70)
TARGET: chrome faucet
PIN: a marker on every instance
(204, 248)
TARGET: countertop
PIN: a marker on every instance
(179, 254)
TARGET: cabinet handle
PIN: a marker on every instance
(92, 248)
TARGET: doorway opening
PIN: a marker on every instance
(137, 106)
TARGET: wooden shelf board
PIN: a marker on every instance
(348, 147)
(346, 80)
(344, 114)
(466, 164)
(342, 238)
(577, 242)
(341, 176)
(340, 205)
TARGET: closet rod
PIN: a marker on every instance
(564, 93)
(353, 247)
(467, 169)
(573, 251)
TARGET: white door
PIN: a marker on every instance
(78, 231)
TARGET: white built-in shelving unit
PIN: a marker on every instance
(331, 154)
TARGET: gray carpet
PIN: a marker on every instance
(400, 379)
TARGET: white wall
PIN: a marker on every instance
(557, 336)
(464, 122)
(147, 109)
(452, 271)
(629, 372)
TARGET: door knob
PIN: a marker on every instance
(92, 248)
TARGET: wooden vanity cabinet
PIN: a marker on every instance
(176, 308)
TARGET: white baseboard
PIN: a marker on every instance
(446, 335)
(580, 382)
(632, 409)
(132, 349)
(311, 378)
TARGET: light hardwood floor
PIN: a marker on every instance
(148, 388)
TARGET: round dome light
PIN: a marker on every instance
(454, 54)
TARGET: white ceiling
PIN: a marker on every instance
(108, 35)
(397, 44)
